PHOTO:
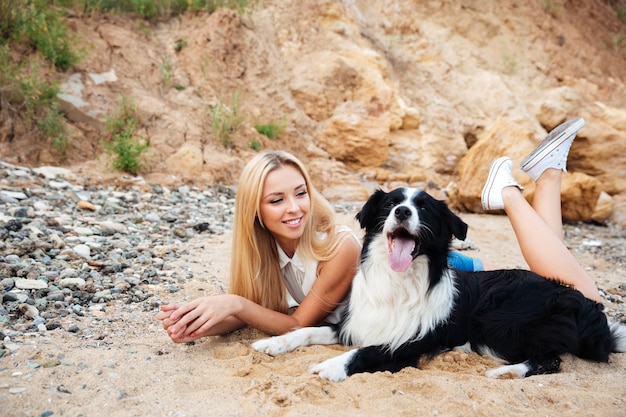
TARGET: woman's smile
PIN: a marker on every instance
(293, 222)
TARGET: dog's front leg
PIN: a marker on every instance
(334, 369)
(367, 359)
(301, 337)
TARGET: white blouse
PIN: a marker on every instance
(300, 273)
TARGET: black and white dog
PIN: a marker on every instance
(408, 303)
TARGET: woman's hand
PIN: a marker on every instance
(197, 318)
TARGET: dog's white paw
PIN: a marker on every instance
(508, 371)
(334, 369)
(276, 345)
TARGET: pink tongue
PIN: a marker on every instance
(400, 253)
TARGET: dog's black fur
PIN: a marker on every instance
(399, 316)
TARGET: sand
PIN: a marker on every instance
(127, 366)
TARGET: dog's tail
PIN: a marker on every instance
(618, 336)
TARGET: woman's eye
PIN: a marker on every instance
(301, 193)
(276, 201)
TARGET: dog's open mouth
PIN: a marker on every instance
(403, 248)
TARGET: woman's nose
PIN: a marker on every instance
(292, 204)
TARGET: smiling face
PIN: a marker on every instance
(285, 206)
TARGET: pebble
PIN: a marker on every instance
(82, 250)
(30, 284)
(69, 247)
(86, 205)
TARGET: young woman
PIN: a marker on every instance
(287, 251)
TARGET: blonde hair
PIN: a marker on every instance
(255, 269)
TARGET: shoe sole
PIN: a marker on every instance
(554, 139)
(484, 197)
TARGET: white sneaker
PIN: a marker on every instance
(553, 150)
(499, 177)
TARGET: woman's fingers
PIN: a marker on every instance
(195, 319)
(200, 325)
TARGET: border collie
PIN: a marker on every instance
(408, 303)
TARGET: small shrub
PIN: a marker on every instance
(180, 44)
(34, 23)
(166, 69)
(510, 64)
(126, 149)
(620, 9)
(255, 144)
(27, 95)
(226, 119)
(271, 130)
(617, 41)
(551, 8)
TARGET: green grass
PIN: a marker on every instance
(154, 10)
(272, 129)
(620, 9)
(617, 41)
(27, 95)
(550, 7)
(226, 119)
(34, 24)
(166, 69)
(255, 144)
(180, 44)
(127, 150)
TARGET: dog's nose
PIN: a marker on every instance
(402, 213)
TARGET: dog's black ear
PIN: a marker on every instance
(369, 208)
(457, 226)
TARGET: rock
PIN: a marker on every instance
(618, 215)
(30, 284)
(108, 228)
(83, 251)
(53, 172)
(86, 205)
(603, 209)
(72, 283)
(29, 311)
(6, 284)
(356, 136)
(504, 137)
(15, 195)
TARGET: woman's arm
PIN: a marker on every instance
(214, 315)
(220, 314)
(333, 282)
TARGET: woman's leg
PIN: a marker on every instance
(547, 200)
(543, 250)
(545, 164)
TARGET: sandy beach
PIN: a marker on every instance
(127, 366)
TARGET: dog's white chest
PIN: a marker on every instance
(390, 308)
